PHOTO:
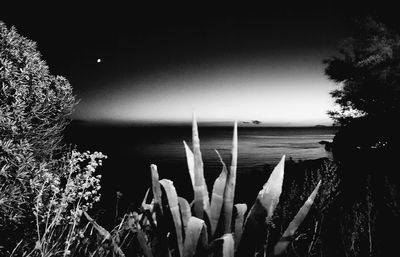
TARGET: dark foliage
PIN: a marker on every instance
(368, 72)
(365, 147)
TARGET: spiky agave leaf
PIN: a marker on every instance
(229, 194)
(195, 232)
(155, 186)
(173, 203)
(241, 209)
(190, 162)
(201, 199)
(286, 238)
(255, 228)
(269, 195)
(217, 198)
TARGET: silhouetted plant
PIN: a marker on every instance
(358, 225)
(367, 72)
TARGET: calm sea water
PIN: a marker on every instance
(131, 150)
(257, 145)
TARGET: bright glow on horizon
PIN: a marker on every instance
(291, 94)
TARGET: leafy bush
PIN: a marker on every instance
(34, 105)
(43, 186)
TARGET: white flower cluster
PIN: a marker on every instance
(82, 186)
(63, 195)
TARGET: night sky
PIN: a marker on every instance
(156, 63)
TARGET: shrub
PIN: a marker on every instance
(34, 110)
(60, 199)
(34, 105)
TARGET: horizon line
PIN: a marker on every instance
(203, 123)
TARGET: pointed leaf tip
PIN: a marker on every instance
(201, 198)
(235, 131)
(315, 191)
(220, 157)
(194, 119)
(229, 194)
(234, 153)
(283, 243)
(155, 185)
(269, 195)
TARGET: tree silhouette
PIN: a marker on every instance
(367, 70)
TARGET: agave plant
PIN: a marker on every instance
(171, 226)
(205, 226)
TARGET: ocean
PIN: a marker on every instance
(131, 150)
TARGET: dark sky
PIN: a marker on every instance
(158, 62)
